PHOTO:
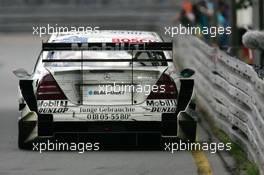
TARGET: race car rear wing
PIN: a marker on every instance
(154, 46)
(137, 47)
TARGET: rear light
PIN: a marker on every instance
(48, 89)
(167, 89)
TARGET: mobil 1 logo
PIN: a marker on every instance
(168, 106)
(52, 106)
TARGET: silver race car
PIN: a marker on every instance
(106, 86)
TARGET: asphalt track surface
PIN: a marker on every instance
(20, 51)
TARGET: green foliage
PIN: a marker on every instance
(239, 155)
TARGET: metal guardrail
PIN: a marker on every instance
(230, 90)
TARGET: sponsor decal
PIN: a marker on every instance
(72, 39)
(107, 113)
(161, 102)
(103, 116)
(163, 109)
(52, 103)
(107, 109)
(52, 106)
(132, 40)
(163, 106)
(100, 92)
(104, 91)
(52, 110)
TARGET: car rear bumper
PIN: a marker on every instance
(108, 134)
(48, 127)
(113, 139)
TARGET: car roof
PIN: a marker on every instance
(106, 36)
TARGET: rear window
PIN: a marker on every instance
(140, 58)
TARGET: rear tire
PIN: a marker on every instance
(190, 130)
(24, 130)
(188, 126)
